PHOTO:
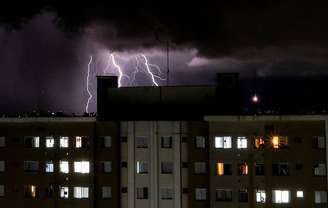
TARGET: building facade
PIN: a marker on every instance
(221, 161)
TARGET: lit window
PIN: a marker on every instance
(107, 141)
(166, 167)
(31, 166)
(299, 194)
(279, 142)
(320, 197)
(200, 142)
(142, 167)
(142, 193)
(31, 191)
(82, 167)
(63, 192)
(319, 169)
(223, 194)
(32, 142)
(223, 142)
(63, 142)
(63, 167)
(242, 169)
(259, 143)
(280, 196)
(223, 169)
(260, 196)
(2, 190)
(167, 193)
(319, 142)
(2, 141)
(2, 166)
(106, 192)
(241, 143)
(81, 192)
(200, 167)
(142, 142)
(49, 167)
(200, 194)
(78, 142)
(107, 166)
(280, 169)
(50, 142)
(166, 142)
(243, 195)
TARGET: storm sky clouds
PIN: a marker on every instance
(45, 45)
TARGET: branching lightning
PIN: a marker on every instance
(88, 85)
(119, 70)
(149, 68)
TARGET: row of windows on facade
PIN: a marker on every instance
(51, 142)
(167, 167)
(79, 192)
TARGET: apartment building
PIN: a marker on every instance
(184, 157)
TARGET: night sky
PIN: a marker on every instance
(279, 47)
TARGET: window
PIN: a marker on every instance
(200, 167)
(63, 167)
(63, 142)
(142, 167)
(2, 141)
(299, 166)
(167, 193)
(260, 196)
(320, 197)
(141, 142)
(107, 166)
(32, 142)
(280, 169)
(2, 166)
(106, 192)
(242, 169)
(200, 194)
(279, 142)
(82, 167)
(124, 189)
(107, 141)
(319, 142)
(124, 164)
(319, 169)
(241, 143)
(49, 167)
(142, 193)
(2, 190)
(31, 166)
(81, 192)
(81, 142)
(31, 191)
(166, 142)
(223, 168)
(185, 165)
(223, 194)
(223, 142)
(200, 142)
(63, 192)
(167, 167)
(259, 168)
(280, 196)
(124, 139)
(259, 143)
(50, 142)
(243, 195)
(299, 194)
(49, 192)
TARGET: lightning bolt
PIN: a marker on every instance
(149, 68)
(87, 84)
(119, 70)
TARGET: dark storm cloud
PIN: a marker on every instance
(217, 28)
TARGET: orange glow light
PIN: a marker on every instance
(275, 142)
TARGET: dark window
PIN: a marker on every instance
(142, 193)
(184, 139)
(299, 166)
(166, 167)
(227, 169)
(185, 190)
(124, 190)
(166, 142)
(223, 195)
(49, 192)
(259, 169)
(124, 139)
(124, 164)
(298, 140)
(184, 164)
(280, 169)
(243, 195)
